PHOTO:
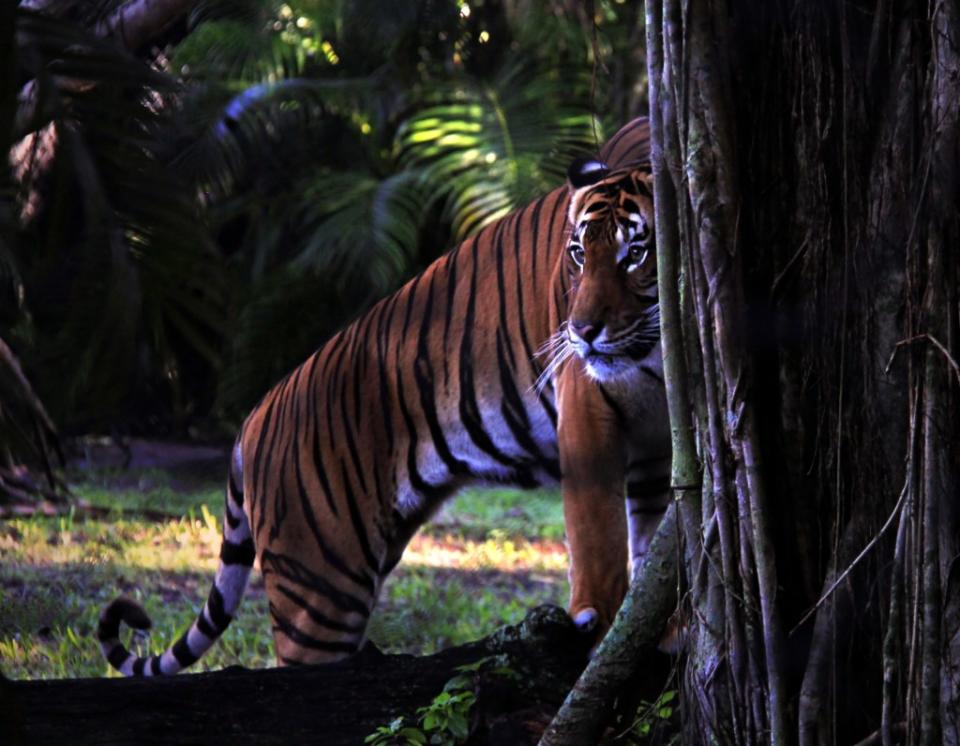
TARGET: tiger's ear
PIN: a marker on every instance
(584, 172)
(643, 180)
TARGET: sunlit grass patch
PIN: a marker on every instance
(150, 489)
(424, 609)
(481, 565)
(56, 574)
(536, 514)
(491, 556)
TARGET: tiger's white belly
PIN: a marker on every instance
(484, 467)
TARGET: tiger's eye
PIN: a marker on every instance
(638, 255)
(577, 254)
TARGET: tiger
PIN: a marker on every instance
(528, 355)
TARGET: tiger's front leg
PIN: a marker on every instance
(592, 447)
(648, 495)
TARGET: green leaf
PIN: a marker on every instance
(460, 681)
(413, 735)
(476, 665)
(458, 726)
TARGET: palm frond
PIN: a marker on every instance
(124, 273)
(266, 131)
(489, 147)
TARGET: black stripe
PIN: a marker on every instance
(433, 493)
(501, 283)
(522, 310)
(534, 247)
(318, 616)
(451, 290)
(232, 553)
(611, 146)
(357, 521)
(155, 665)
(411, 299)
(359, 370)
(233, 491)
(117, 656)
(279, 501)
(108, 630)
(652, 373)
(383, 333)
(296, 572)
(232, 522)
(313, 414)
(426, 386)
(559, 302)
(332, 376)
(258, 462)
(183, 654)
(291, 401)
(216, 610)
(347, 427)
(469, 410)
(206, 628)
(515, 415)
(617, 411)
(138, 666)
(329, 555)
(534, 250)
(322, 474)
(304, 640)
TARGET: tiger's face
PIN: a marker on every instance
(614, 317)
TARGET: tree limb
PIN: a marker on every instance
(622, 654)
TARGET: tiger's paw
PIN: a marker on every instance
(591, 626)
(586, 620)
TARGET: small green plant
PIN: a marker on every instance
(651, 714)
(446, 720)
(396, 732)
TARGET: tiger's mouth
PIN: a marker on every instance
(613, 356)
(614, 359)
(635, 352)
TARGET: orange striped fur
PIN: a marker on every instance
(528, 355)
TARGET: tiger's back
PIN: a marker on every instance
(430, 391)
(437, 387)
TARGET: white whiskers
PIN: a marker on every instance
(556, 350)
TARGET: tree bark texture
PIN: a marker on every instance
(807, 176)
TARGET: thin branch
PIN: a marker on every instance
(932, 340)
(870, 545)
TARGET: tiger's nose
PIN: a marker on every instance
(587, 330)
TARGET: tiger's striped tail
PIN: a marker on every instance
(236, 561)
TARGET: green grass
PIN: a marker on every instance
(488, 558)
(533, 515)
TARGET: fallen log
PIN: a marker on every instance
(334, 704)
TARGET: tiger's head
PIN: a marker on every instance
(614, 313)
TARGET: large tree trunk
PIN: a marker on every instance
(807, 190)
(816, 155)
